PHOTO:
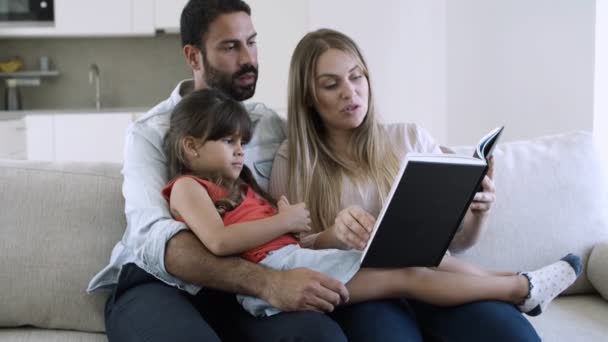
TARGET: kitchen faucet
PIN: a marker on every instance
(94, 77)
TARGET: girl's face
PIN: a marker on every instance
(342, 90)
(223, 157)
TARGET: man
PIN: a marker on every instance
(162, 277)
(158, 268)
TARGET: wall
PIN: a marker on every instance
(600, 123)
(134, 71)
(525, 64)
(404, 44)
(456, 67)
(280, 25)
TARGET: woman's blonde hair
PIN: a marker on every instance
(315, 170)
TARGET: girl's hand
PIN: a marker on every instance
(295, 217)
(353, 227)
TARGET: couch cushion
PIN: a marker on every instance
(59, 222)
(551, 200)
(44, 335)
(573, 318)
(597, 268)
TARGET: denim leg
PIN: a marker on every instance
(143, 308)
(233, 323)
(382, 320)
(480, 321)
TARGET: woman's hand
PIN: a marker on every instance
(352, 228)
(476, 219)
(482, 202)
(295, 217)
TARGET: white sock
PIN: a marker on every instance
(548, 282)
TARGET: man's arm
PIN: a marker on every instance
(298, 289)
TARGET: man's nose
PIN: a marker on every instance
(247, 56)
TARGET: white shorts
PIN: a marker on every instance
(335, 263)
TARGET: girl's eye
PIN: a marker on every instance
(330, 86)
(356, 77)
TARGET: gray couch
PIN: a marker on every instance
(59, 222)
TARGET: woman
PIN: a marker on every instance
(341, 162)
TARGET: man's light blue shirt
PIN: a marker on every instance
(149, 222)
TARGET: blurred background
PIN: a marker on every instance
(457, 67)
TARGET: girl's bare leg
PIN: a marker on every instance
(531, 291)
(452, 264)
(435, 287)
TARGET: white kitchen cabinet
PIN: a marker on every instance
(142, 17)
(92, 17)
(90, 137)
(108, 17)
(167, 14)
(85, 137)
(86, 18)
(40, 137)
(12, 139)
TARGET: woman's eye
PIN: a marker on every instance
(330, 86)
(356, 77)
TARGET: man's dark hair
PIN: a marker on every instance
(198, 15)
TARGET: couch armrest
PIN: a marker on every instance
(597, 268)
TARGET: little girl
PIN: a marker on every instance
(215, 194)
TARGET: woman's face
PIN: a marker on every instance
(342, 90)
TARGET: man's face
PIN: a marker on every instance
(230, 56)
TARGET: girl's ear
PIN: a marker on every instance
(189, 146)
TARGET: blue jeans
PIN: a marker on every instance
(402, 320)
(143, 308)
(480, 321)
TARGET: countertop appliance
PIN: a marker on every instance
(26, 12)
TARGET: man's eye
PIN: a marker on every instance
(252, 43)
(229, 47)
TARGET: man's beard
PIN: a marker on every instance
(227, 83)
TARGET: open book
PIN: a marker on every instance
(425, 206)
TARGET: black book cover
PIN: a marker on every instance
(424, 212)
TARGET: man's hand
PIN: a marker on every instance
(482, 202)
(353, 227)
(301, 289)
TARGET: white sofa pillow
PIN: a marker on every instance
(551, 200)
(58, 224)
(598, 268)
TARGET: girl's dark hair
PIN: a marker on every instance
(205, 115)
(198, 15)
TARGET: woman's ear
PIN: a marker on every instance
(190, 146)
